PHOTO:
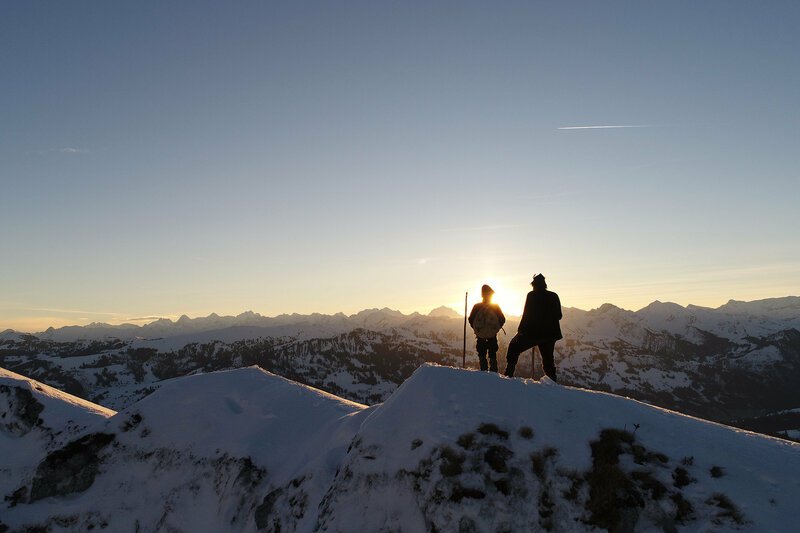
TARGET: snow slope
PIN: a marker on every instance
(197, 454)
(460, 421)
(36, 418)
(450, 450)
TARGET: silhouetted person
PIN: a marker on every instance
(539, 327)
(486, 320)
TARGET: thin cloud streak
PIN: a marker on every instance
(608, 127)
(58, 310)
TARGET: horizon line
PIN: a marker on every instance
(156, 319)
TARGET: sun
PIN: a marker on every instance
(511, 302)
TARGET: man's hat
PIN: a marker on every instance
(538, 279)
(487, 290)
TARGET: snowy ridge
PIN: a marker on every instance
(484, 436)
(246, 412)
(57, 405)
(36, 418)
(450, 450)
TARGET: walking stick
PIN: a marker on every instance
(464, 349)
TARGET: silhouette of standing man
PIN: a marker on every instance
(486, 320)
(538, 327)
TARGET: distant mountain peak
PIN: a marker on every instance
(445, 312)
(605, 308)
(384, 311)
(783, 309)
(785, 304)
(658, 305)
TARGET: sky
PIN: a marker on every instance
(168, 158)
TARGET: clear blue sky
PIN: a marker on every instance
(160, 158)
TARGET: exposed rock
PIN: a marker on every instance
(22, 410)
(70, 469)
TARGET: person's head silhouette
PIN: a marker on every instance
(486, 293)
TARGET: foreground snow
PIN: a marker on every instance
(450, 450)
(35, 419)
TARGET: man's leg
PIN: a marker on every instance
(548, 363)
(482, 346)
(492, 345)
(518, 344)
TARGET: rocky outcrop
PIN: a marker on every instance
(21, 411)
(72, 468)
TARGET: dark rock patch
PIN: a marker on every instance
(265, 518)
(70, 469)
(539, 460)
(614, 501)
(681, 477)
(452, 462)
(24, 411)
(526, 432)
(497, 458)
(18, 496)
(466, 440)
(546, 506)
(134, 420)
(684, 511)
(717, 471)
(459, 493)
(250, 475)
(649, 484)
(492, 429)
(467, 525)
(728, 511)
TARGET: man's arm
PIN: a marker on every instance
(526, 313)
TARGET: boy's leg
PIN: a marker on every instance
(493, 355)
(482, 346)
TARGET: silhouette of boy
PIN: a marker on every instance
(538, 327)
(486, 319)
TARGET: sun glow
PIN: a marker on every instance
(511, 302)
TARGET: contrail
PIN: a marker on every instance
(609, 127)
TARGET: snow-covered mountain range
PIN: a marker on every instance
(450, 450)
(739, 363)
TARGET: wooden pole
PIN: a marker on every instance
(464, 349)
